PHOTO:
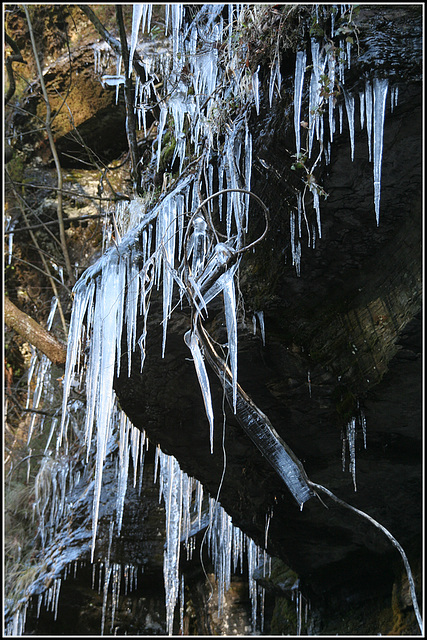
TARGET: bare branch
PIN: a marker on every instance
(15, 57)
(95, 216)
(106, 35)
(53, 149)
(113, 42)
(47, 270)
(128, 90)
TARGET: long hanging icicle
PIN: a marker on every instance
(299, 82)
(172, 488)
(192, 343)
(349, 105)
(380, 86)
(369, 108)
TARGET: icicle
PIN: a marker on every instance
(341, 64)
(260, 316)
(351, 437)
(295, 246)
(101, 566)
(231, 323)
(348, 54)
(368, 106)
(181, 607)
(10, 247)
(331, 99)
(349, 105)
(380, 86)
(39, 604)
(162, 122)
(140, 11)
(83, 300)
(115, 591)
(362, 109)
(172, 481)
(316, 205)
(252, 553)
(327, 153)
(192, 343)
(57, 586)
(123, 469)
(105, 597)
(299, 81)
(118, 68)
(363, 423)
(198, 245)
(255, 88)
(101, 52)
(248, 172)
(166, 226)
(298, 611)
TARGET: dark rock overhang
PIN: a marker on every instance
(344, 335)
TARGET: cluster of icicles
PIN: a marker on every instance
(175, 247)
(328, 72)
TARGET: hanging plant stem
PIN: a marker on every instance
(395, 543)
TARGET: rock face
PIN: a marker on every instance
(343, 340)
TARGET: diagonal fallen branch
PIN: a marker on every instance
(258, 427)
(32, 331)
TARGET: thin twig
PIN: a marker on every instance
(53, 148)
(38, 411)
(129, 100)
(22, 202)
(95, 216)
(52, 279)
(94, 159)
(45, 273)
(218, 193)
(15, 57)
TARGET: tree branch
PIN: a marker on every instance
(114, 44)
(128, 90)
(106, 35)
(34, 333)
(53, 149)
(95, 216)
(15, 57)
